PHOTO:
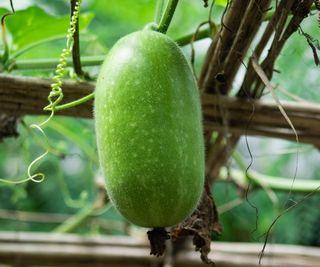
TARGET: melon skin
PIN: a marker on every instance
(149, 130)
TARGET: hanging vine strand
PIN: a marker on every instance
(56, 94)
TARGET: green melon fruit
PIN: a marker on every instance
(149, 130)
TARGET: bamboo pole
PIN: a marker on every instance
(43, 249)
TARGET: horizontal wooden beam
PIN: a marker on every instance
(44, 249)
(262, 118)
(28, 95)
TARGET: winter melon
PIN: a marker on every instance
(149, 130)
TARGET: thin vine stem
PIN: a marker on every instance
(76, 42)
(31, 64)
(167, 16)
(56, 94)
(35, 44)
(73, 103)
(77, 220)
(271, 182)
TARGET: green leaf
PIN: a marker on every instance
(34, 24)
(3, 11)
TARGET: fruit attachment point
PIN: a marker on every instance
(152, 26)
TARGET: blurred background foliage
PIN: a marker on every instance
(37, 31)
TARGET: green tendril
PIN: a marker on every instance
(54, 98)
(36, 177)
(56, 94)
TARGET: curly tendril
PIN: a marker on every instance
(36, 177)
(56, 94)
(54, 98)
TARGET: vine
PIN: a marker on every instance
(167, 16)
(36, 177)
(55, 95)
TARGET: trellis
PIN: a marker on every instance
(218, 110)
